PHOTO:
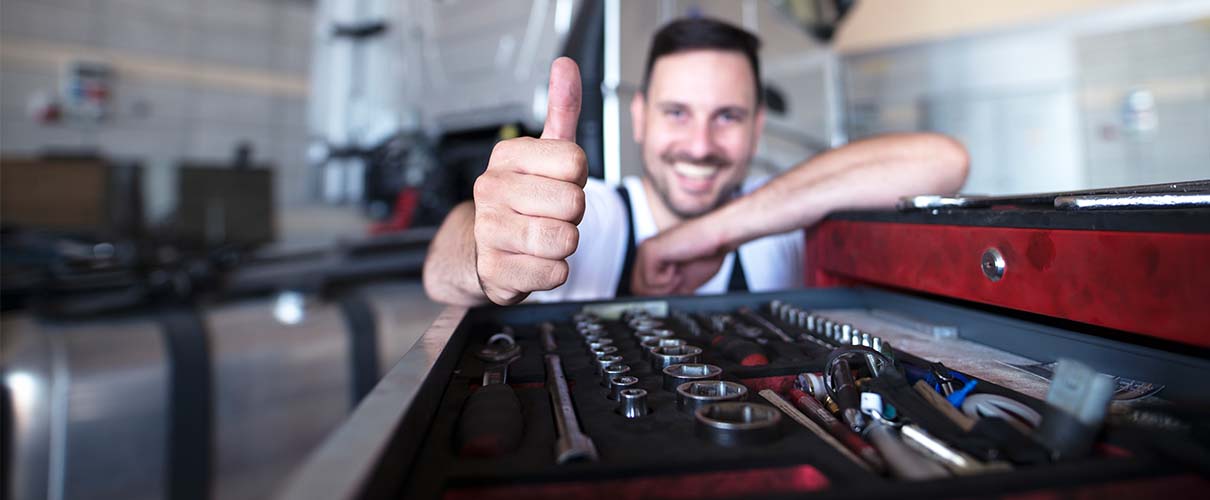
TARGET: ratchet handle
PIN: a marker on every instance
(491, 423)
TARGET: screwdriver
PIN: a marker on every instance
(813, 409)
(491, 422)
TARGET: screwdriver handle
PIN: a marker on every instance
(491, 422)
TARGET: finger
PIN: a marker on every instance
(563, 161)
(534, 195)
(562, 101)
(522, 234)
(512, 274)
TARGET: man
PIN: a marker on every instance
(538, 226)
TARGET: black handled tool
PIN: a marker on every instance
(740, 350)
(491, 423)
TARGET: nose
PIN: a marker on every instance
(700, 142)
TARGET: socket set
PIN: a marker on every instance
(759, 395)
(788, 394)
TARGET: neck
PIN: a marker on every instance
(664, 217)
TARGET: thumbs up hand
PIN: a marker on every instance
(530, 199)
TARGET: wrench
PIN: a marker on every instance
(572, 444)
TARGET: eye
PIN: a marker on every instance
(730, 117)
(675, 113)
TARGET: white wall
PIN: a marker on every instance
(1039, 105)
(193, 78)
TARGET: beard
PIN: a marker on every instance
(663, 190)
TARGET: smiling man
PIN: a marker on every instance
(694, 222)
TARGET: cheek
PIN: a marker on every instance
(656, 144)
(737, 142)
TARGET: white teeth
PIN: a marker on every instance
(694, 171)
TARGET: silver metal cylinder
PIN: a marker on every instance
(113, 383)
(599, 343)
(590, 329)
(645, 325)
(676, 375)
(614, 370)
(632, 403)
(645, 347)
(604, 350)
(663, 357)
(693, 395)
(738, 423)
(658, 333)
(617, 384)
(606, 360)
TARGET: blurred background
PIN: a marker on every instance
(214, 212)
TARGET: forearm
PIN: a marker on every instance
(871, 173)
(450, 276)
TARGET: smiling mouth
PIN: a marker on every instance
(695, 178)
(694, 171)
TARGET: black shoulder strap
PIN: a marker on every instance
(739, 282)
(627, 264)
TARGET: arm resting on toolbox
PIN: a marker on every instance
(870, 173)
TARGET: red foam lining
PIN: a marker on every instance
(794, 479)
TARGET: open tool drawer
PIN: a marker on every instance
(403, 440)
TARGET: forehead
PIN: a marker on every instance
(703, 77)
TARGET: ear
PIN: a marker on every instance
(638, 116)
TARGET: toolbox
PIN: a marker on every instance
(916, 311)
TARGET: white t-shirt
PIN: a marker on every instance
(771, 263)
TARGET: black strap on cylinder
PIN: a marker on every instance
(627, 264)
(190, 434)
(738, 283)
(363, 345)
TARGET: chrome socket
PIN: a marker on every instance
(736, 423)
(599, 343)
(611, 371)
(646, 346)
(663, 357)
(586, 329)
(693, 395)
(606, 360)
(645, 325)
(632, 403)
(602, 351)
(617, 384)
(656, 334)
(676, 375)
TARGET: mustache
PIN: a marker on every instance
(710, 160)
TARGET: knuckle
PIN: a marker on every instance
(578, 157)
(578, 203)
(537, 236)
(482, 189)
(556, 274)
(570, 240)
(501, 151)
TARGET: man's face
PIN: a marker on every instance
(697, 126)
